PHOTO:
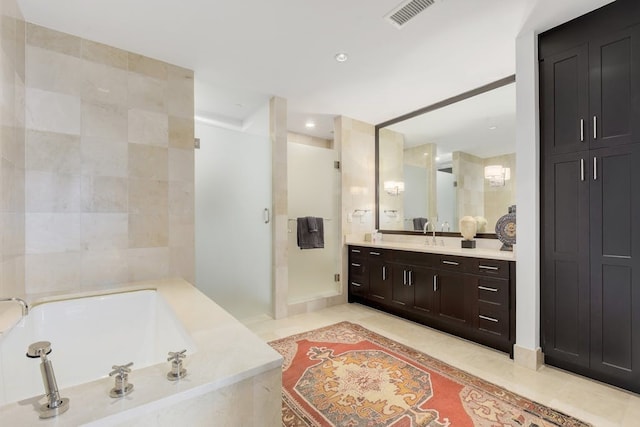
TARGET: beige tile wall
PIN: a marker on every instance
(109, 182)
(391, 169)
(12, 119)
(469, 172)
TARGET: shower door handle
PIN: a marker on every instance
(267, 216)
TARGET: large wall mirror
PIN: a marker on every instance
(453, 159)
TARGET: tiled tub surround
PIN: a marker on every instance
(109, 165)
(233, 377)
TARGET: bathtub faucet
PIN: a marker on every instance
(177, 371)
(122, 387)
(55, 405)
(23, 303)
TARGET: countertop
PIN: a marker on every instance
(227, 352)
(448, 249)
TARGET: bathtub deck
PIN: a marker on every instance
(233, 376)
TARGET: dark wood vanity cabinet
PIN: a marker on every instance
(469, 297)
(590, 131)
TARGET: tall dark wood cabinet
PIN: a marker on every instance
(590, 131)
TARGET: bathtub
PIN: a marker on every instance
(88, 336)
(233, 377)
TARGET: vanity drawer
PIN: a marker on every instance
(493, 319)
(358, 252)
(493, 291)
(454, 263)
(490, 267)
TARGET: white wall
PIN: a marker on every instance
(528, 194)
(233, 243)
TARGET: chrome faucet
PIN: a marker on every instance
(55, 405)
(177, 371)
(425, 228)
(123, 387)
(23, 303)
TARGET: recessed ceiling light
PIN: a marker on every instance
(437, 159)
(493, 127)
(341, 57)
(425, 154)
(309, 125)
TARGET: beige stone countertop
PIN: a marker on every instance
(447, 249)
(226, 353)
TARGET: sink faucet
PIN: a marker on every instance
(425, 229)
(55, 405)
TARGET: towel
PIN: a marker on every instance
(419, 223)
(310, 232)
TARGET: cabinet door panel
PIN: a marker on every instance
(379, 280)
(453, 296)
(401, 291)
(614, 72)
(615, 264)
(423, 289)
(564, 101)
(565, 286)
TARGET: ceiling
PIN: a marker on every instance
(245, 52)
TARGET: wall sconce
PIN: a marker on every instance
(497, 175)
(394, 188)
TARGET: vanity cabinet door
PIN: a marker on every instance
(423, 283)
(453, 296)
(401, 288)
(380, 275)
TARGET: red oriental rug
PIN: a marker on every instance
(346, 375)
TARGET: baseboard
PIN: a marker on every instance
(532, 359)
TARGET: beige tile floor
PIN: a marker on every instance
(591, 401)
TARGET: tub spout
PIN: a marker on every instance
(55, 405)
(23, 303)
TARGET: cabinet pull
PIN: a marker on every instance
(384, 272)
(356, 284)
(581, 130)
(404, 277)
(400, 302)
(355, 251)
(488, 267)
(374, 253)
(595, 127)
(595, 168)
(435, 283)
(484, 288)
(353, 264)
(410, 278)
(490, 319)
(581, 169)
(450, 262)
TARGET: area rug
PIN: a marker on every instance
(346, 375)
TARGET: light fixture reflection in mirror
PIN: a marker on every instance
(453, 159)
(394, 188)
(497, 175)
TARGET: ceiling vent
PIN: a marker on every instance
(406, 11)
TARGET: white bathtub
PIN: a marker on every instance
(88, 335)
(233, 377)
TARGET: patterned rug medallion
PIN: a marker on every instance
(346, 375)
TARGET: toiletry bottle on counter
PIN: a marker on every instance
(374, 236)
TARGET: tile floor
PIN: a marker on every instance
(591, 401)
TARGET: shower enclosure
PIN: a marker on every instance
(314, 187)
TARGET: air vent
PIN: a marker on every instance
(406, 11)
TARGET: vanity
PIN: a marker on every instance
(465, 292)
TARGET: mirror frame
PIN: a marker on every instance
(457, 98)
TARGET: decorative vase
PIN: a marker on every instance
(506, 229)
(468, 227)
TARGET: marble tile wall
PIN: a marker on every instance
(12, 174)
(109, 159)
(392, 159)
(469, 173)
